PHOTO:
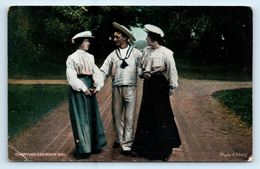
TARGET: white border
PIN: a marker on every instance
(255, 4)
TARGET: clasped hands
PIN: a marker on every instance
(90, 91)
(146, 75)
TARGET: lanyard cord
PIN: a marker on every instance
(129, 51)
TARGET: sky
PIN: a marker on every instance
(138, 33)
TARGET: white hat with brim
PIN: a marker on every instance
(153, 29)
(85, 34)
(124, 30)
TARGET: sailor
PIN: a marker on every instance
(121, 64)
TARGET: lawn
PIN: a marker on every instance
(239, 101)
(38, 71)
(186, 69)
(27, 104)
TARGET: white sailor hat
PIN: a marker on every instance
(85, 34)
(153, 29)
(124, 30)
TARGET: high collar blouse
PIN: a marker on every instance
(82, 62)
(160, 60)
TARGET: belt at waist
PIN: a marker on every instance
(83, 76)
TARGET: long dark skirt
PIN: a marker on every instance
(156, 132)
(88, 130)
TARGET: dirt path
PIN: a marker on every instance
(209, 132)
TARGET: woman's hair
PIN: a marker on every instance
(78, 41)
(156, 37)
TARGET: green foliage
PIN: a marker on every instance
(27, 104)
(197, 33)
(206, 36)
(20, 46)
(41, 35)
(239, 101)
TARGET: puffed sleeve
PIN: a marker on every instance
(171, 70)
(72, 78)
(139, 56)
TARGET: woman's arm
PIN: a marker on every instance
(72, 78)
(171, 72)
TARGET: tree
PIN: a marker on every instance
(203, 35)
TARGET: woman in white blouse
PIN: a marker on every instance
(85, 80)
(156, 132)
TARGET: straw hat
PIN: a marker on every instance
(85, 34)
(153, 29)
(124, 30)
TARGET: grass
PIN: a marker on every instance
(27, 104)
(213, 72)
(186, 69)
(239, 101)
(37, 71)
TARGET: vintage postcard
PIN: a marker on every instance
(130, 83)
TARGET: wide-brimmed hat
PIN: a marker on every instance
(124, 29)
(85, 34)
(153, 29)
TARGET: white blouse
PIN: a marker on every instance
(81, 62)
(160, 60)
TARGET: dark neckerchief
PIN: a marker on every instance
(129, 51)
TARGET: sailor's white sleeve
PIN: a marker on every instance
(98, 78)
(106, 68)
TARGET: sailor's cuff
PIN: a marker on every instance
(98, 88)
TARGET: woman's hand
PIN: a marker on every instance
(95, 91)
(171, 90)
(146, 75)
(87, 92)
